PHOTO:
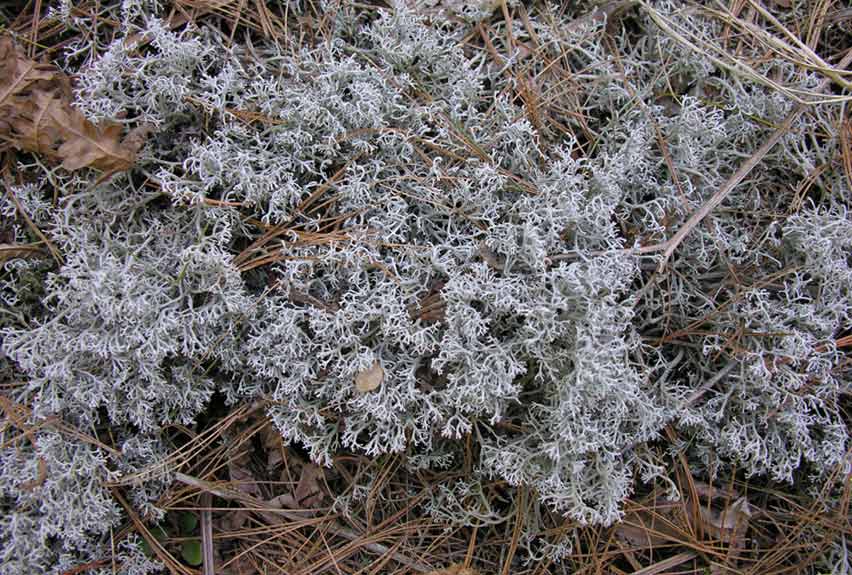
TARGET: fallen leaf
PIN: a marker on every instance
(490, 257)
(308, 492)
(232, 521)
(455, 569)
(242, 477)
(274, 446)
(728, 523)
(638, 536)
(285, 501)
(370, 379)
(41, 466)
(89, 145)
(648, 528)
(36, 116)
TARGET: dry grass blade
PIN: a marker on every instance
(846, 147)
(11, 251)
(666, 564)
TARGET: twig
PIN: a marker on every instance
(207, 534)
(668, 247)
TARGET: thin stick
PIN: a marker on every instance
(207, 534)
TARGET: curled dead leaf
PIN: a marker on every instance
(41, 466)
(370, 378)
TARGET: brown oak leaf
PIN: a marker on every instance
(36, 115)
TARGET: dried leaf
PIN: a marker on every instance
(274, 446)
(712, 492)
(647, 528)
(36, 115)
(727, 524)
(17, 71)
(308, 492)
(232, 521)
(242, 477)
(285, 501)
(40, 478)
(455, 569)
(638, 537)
(370, 379)
(92, 146)
(491, 258)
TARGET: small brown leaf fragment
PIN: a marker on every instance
(455, 569)
(370, 378)
(728, 524)
(232, 520)
(241, 475)
(491, 258)
(283, 501)
(308, 491)
(646, 528)
(274, 446)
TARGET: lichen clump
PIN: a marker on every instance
(387, 196)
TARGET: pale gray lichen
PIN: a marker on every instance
(404, 167)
